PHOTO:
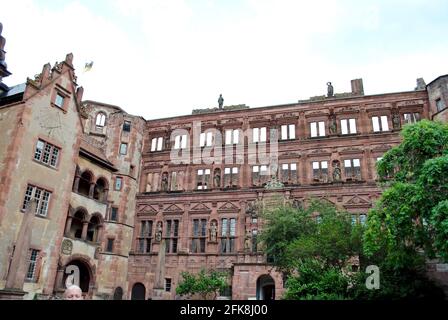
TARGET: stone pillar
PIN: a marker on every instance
(105, 195)
(92, 188)
(68, 225)
(159, 280)
(76, 184)
(17, 271)
(99, 234)
(85, 225)
(59, 278)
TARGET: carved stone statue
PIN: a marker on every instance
(159, 232)
(2, 46)
(247, 240)
(165, 181)
(396, 121)
(297, 204)
(329, 89)
(250, 209)
(213, 232)
(333, 126)
(217, 179)
(336, 172)
(220, 101)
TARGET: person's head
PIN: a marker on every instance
(73, 293)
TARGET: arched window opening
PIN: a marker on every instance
(100, 120)
(99, 192)
(76, 227)
(92, 230)
(84, 183)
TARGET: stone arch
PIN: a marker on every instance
(101, 189)
(87, 270)
(265, 287)
(138, 291)
(85, 180)
(118, 293)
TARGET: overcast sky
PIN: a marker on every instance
(161, 58)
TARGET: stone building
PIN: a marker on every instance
(129, 203)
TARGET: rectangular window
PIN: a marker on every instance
(317, 129)
(231, 177)
(411, 117)
(206, 139)
(127, 126)
(348, 126)
(352, 168)
(203, 179)
(228, 232)
(171, 236)
(288, 131)
(320, 170)
(289, 173)
(59, 101)
(145, 239)
(440, 105)
(380, 124)
(110, 245)
(232, 136)
(199, 236)
(46, 153)
(167, 284)
(180, 141)
(114, 214)
(123, 148)
(362, 219)
(259, 134)
(157, 144)
(42, 196)
(32, 265)
(118, 183)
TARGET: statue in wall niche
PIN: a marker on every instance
(329, 89)
(159, 232)
(165, 181)
(297, 204)
(396, 121)
(247, 240)
(213, 231)
(333, 125)
(217, 179)
(336, 172)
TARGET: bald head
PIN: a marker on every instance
(73, 293)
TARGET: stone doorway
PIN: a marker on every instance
(265, 288)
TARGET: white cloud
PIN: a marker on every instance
(163, 58)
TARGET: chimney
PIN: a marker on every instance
(357, 87)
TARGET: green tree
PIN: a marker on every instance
(409, 222)
(312, 246)
(205, 284)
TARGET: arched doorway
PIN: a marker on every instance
(84, 275)
(138, 291)
(265, 288)
(118, 293)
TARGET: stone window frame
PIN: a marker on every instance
(146, 236)
(121, 148)
(318, 129)
(155, 143)
(201, 179)
(321, 173)
(380, 116)
(349, 131)
(171, 237)
(109, 245)
(118, 178)
(201, 237)
(352, 176)
(281, 170)
(231, 240)
(34, 264)
(60, 91)
(111, 214)
(53, 146)
(42, 191)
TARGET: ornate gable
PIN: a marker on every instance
(228, 207)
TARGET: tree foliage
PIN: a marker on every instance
(409, 222)
(205, 284)
(411, 214)
(312, 246)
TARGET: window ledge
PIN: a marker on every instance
(45, 165)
